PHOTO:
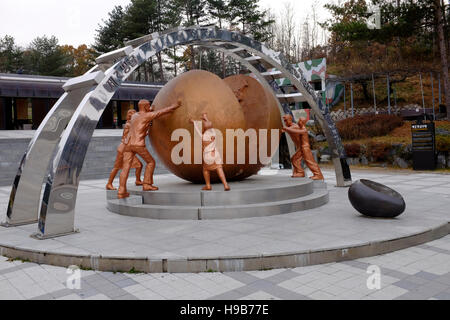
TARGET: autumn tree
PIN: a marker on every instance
(82, 59)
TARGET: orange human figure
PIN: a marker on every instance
(212, 160)
(118, 164)
(139, 125)
(299, 136)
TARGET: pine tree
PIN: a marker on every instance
(45, 57)
(246, 16)
(11, 56)
(218, 10)
(141, 18)
(191, 12)
(111, 34)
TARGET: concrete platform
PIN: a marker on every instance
(97, 165)
(333, 232)
(258, 196)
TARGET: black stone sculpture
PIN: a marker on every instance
(376, 200)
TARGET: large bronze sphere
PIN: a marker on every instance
(260, 111)
(204, 92)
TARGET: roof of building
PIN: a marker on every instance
(31, 86)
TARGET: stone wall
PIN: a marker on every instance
(98, 163)
(400, 160)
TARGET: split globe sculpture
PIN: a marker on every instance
(240, 108)
(238, 105)
(56, 154)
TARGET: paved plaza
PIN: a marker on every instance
(418, 272)
(421, 272)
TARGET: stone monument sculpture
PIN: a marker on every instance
(363, 194)
(212, 160)
(118, 164)
(299, 135)
(139, 127)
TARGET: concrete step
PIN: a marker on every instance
(135, 207)
(239, 194)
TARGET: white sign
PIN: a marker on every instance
(374, 21)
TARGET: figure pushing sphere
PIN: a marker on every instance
(212, 159)
(299, 136)
(118, 164)
(139, 125)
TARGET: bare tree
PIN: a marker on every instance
(296, 38)
(314, 27)
(306, 39)
(288, 27)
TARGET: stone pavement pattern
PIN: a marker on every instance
(421, 272)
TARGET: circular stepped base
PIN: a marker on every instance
(258, 196)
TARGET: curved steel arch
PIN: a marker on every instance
(88, 96)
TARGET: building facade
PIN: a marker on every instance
(25, 100)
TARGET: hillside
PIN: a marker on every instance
(405, 93)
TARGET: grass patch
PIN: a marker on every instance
(18, 259)
(134, 271)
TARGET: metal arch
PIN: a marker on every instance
(62, 178)
(23, 207)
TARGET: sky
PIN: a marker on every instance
(301, 7)
(74, 22)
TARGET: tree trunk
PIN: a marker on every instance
(365, 91)
(445, 18)
(145, 72)
(161, 70)
(151, 70)
(175, 61)
(193, 64)
(223, 55)
(443, 49)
